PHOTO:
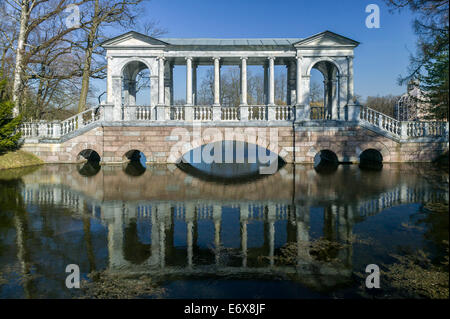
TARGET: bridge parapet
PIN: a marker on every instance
(147, 115)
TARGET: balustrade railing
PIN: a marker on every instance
(365, 115)
(318, 113)
(257, 113)
(230, 114)
(203, 113)
(380, 120)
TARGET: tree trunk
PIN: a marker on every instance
(19, 67)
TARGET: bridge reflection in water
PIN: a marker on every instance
(167, 222)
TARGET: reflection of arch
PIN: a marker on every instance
(89, 168)
(136, 165)
(133, 250)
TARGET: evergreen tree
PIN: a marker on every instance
(435, 85)
(9, 136)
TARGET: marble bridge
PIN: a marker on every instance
(163, 131)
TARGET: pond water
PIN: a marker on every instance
(298, 233)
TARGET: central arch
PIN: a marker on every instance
(331, 72)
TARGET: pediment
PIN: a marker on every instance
(327, 39)
(132, 40)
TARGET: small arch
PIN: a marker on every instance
(88, 163)
(371, 159)
(88, 155)
(326, 161)
(323, 59)
(135, 163)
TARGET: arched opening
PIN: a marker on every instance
(230, 162)
(326, 107)
(136, 85)
(135, 163)
(88, 163)
(371, 159)
(326, 161)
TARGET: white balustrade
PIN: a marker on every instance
(230, 114)
(257, 113)
(203, 113)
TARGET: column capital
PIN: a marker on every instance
(189, 58)
(216, 58)
(271, 57)
(244, 57)
(299, 57)
(161, 58)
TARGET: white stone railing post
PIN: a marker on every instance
(217, 113)
(189, 113)
(56, 129)
(107, 112)
(244, 113)
(161, 113)
(271, 113)
(404, 130)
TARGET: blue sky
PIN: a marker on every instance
(382, 56)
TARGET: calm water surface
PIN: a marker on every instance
(205, 237)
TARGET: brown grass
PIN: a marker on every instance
(18, 159)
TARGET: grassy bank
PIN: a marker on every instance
(18, 159)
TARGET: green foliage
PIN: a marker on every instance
(435, 85)
(430, 63)
(9, 137)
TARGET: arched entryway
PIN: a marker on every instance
(329, 106)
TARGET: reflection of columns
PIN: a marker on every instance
(190, 213)
(162, 244)
(217, 217)
(115, 239)
(216, 81)
(161, 81)
(244, 220)
(302, 216)
(244, 81)
(189, 81)
(299, 92)
(271, 216)
(271, 80)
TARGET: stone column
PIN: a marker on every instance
(117, 97)
(350, 80)
(189, 81)
(194, 83)
(299, 95)
(216, 81)
(161, 88)
(334, 99)
(271, 80)
(244, 81)
(266, 83)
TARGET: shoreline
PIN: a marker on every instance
(18, 159)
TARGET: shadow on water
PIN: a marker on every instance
(230, 162)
